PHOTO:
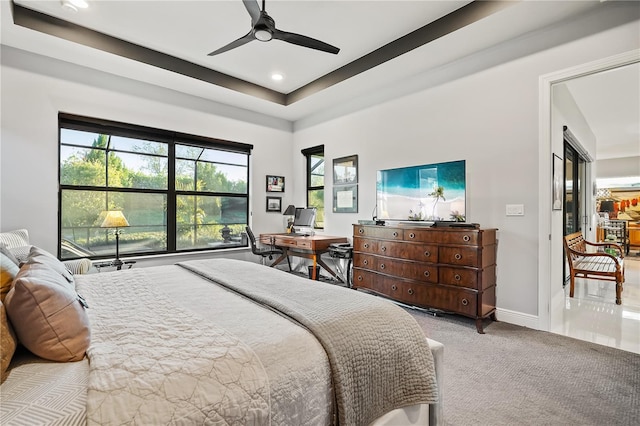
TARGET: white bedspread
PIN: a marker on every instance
(152, 362)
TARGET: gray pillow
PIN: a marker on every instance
(47, 314)
(41, 256)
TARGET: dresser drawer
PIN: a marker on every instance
(459, 300)
(365, 245)
(478, 279)
(383, 232)
(363, 278)
(419, 271)
(409, 251)
(460, 237)
(365, 261)
(463, 256)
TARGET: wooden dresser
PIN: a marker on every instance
(450, 269)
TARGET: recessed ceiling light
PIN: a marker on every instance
(82, 4)
(74, 5)
(277, 76)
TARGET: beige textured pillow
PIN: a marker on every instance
(8, 271)
(38, 255)
(46, 314)
(8, 343)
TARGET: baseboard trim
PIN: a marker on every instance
(518, 318)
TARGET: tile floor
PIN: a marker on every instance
(593, 315)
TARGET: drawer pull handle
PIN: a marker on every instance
(410, 291)
(412, 235)
(465, 302)
(458, 256)
(361, 231)
(382, 266)
(359, 277)
(383, 248)
(427, 273)
(394, 287)
(466, 238)
(457, 277)
(366, 245)
(366, 262)
(395, 234)
(427, 253)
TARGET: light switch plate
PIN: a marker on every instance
(515, 209)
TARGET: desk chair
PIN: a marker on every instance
(264, 252)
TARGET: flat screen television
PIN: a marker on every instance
(429, 192)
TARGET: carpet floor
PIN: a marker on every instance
(518, 376)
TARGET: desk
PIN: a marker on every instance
(309, 247)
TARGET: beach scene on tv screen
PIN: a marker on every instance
(427, 192)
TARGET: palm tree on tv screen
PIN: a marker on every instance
(437, 194)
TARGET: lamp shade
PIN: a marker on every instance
(290, 211)
(114, 219)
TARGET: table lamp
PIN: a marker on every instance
(115, 219)
(290, 213)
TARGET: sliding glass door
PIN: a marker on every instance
(574, 178)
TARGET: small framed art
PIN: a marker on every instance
(274, 204)
(275, 183)
(345, 199)
(345, 170)
(558, 187)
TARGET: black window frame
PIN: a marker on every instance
(308, 153)
(172, 138)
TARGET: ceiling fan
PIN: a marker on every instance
(263, 28)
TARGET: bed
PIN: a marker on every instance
(226, 341)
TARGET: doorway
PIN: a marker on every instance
(579, 183)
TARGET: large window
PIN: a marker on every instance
(315, 181)
(178, 192)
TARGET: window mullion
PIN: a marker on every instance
(171, 214)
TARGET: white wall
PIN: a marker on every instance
(29, 139)
(489, 119)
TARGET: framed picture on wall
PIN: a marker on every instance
(275, 183)
(274, 204)
(345, 199)
(558, 188)
(345, 170)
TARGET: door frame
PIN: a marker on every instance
(550, 227)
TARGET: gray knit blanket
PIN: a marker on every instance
(379, 357)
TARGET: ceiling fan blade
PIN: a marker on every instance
(237, 43)
(305, 41)
(253, 9)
